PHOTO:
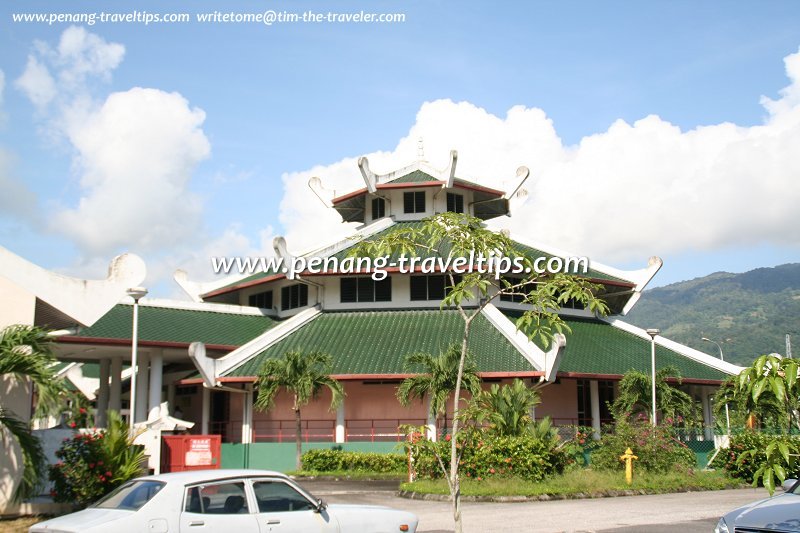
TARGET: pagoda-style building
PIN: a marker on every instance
(368, 327)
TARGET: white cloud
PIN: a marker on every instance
(37, 83)
(136, 155)
(632, 191)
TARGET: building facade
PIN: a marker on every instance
(369, 327)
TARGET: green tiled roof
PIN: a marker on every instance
(179, 325)
(597, 347)
(376, 342)
(532, 253)
(416, 176)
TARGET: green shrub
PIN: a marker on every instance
(321, 460)
(657, 448)
(93, 464)
(525, 456)
(730, 459)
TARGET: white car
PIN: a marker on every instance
(778, 514)
(226, 501)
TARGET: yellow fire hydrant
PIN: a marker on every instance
(628, 458)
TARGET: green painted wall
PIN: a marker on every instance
(280, 455)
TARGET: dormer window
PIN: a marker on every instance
(378, 208)
(414, 202)
(262, 300)
(455, 202)
(294, 296)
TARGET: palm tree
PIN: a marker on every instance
(635, 396)
(438, 380)
(507, 408)
(302, 375)
(26, 354)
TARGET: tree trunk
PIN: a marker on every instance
(298, 435)
(455, 482)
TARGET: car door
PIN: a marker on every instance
(218, 507)
(284, 509)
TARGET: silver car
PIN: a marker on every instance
(778, 514)
(228, 501)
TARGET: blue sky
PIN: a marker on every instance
(643, 125)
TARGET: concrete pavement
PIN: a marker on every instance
(680, 512)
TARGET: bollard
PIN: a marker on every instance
(628, 458)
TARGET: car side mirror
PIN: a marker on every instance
(320, 506)
(788, 484)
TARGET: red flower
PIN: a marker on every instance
(491, 470)
(72, 424)
(108, 473)
(82, 411)
(447, 438)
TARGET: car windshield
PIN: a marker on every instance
(130, 496)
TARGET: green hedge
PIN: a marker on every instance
(728, 459)
(338, 461)
(525, 457)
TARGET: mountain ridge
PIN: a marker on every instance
(748, 314)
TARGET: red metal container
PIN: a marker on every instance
(190, 452)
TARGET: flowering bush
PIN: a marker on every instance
(578, 447)
(744, 466)
(93, 464)
(488, 455)
(657, 448)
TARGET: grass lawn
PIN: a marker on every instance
(584, 481)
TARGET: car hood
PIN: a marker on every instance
(81, 521)
(779, 513)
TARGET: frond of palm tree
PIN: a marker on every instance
(507, 408)
(635, 396)
(438, 379)
(304, 375)
(26, 353)
(545, 431)
(33, 458)
(123, 458)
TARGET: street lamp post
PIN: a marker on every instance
(653, 333)
(136, 293)
(727, 414)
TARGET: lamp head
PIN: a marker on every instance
(137, 293)
(653, 332)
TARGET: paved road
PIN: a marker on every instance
(667, 513)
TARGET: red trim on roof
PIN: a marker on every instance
(252, 283)
(617, 377)
(389, 186)
(361, 377)
(340, 199)
(71, 339)
(479, 188)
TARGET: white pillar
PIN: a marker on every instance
(206, 411)
(156, 379)
(100, 418)
(431, 423)
(141, 387)
(115, 392)
(339, 437)
(594, 395)
(247, 415)
(708, 419)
